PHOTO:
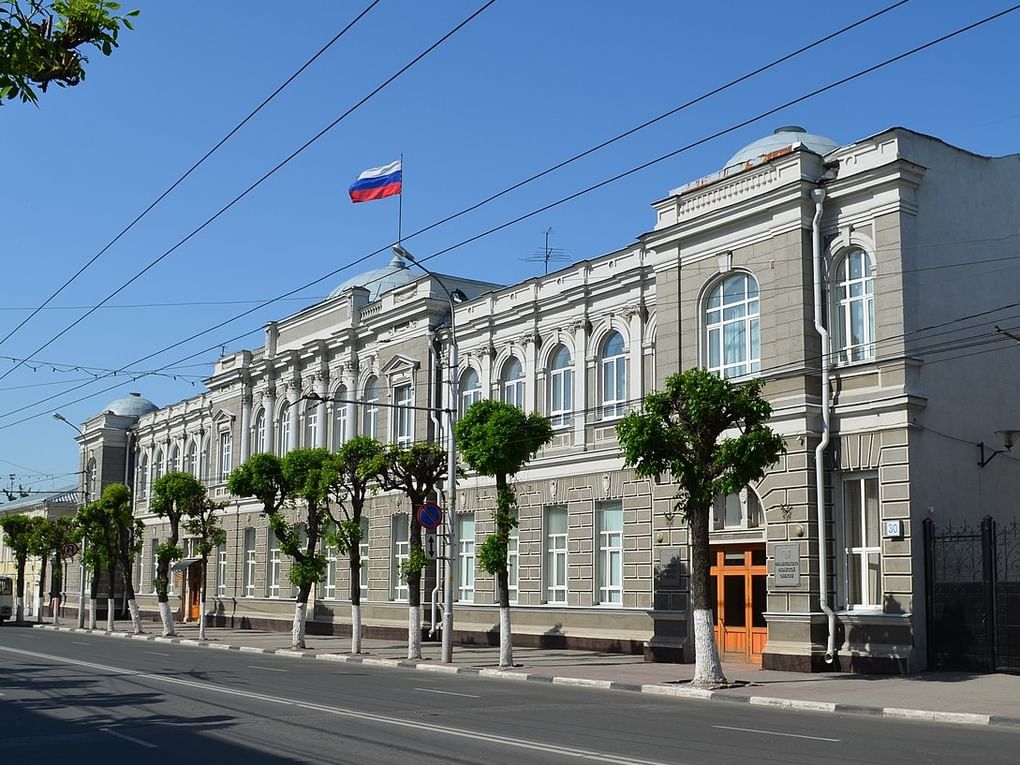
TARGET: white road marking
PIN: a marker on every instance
(776, 733)
(132, 739)
(157, 653)
(448, 693)
(267, 669)
(440, 730)
(79, 642)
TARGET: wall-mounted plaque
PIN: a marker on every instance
(787, 565)
(669, 567)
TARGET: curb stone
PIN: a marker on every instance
(654, 689)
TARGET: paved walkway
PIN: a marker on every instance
(952, 697)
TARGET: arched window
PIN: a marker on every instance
(732, 344)
(312, 425)
(157, 466)
(512, 383)
(226, 454)
(370, 408)
(205, 471)
(283, 429)
(259, 439)
(191, 459)
(614, 375)
(143, 477)
(470, 389)
(173, 464)
(561, 387)
(339, 417)
(854, 308)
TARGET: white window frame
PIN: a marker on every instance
(513, 563)
(561, 387)
(283, 429)
(512, 389)
(745, 502)
(861, 555)
(340, 423)
(469, 395)
(850, 295)
(556, 572)
(157, 466)
(370, 408)
(259, 439)
(466, 557)
(154, 561)
(250, 561)
(191, 459)
(736, 312)
(403, 420)
(400, 550)
(609, 548)
(363, 553)
(329, 586)
(143, 477)
(274, 564)
(312, 425)
(226, 454)
(221, 571)
(613, 372)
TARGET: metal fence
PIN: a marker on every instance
(973, 596)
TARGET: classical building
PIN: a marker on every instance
(861, 282)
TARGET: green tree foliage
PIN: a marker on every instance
(352, 474)
(418, 471)
(204, 525)
(42, 42)
(175, 496)
(712, 437)
(18, 532)
(49, 535)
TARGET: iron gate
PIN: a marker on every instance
(973, 596)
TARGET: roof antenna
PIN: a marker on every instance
(547, 253)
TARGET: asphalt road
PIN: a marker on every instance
(98, 699)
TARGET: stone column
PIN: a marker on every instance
(293, 398)
(246, 401)
(581, 381)
(350, 378)
(529, 344)
(635, 353)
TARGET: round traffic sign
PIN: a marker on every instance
(430, 515)
(69, 549)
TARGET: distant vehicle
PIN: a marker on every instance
(6, 598)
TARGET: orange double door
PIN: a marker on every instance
(738, 589)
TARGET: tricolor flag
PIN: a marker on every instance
(377, 183)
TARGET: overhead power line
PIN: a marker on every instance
(562, 200)
(166, 192)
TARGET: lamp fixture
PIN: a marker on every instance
(1008, 438)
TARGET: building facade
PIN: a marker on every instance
(883, 380)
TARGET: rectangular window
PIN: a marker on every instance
(609, 542)
(249, 562)
(404, 420)
(273, 566)
(512, 558)
(339, 422)
(363, 553)
(863, 542)
(401, 551)
(226, 447)
(154, 563)
(466, 557)
(312, 426)
(221, 571)
(556, 554)
(329, 590)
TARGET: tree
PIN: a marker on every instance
(497, 439)
(18, 530)
(278, 482)
(94, 521)
(128, 535)
(174, 496)
(49, 536)
(352, 473)
(682, 430)
(417, 470)
(41, 42)
(204, 525)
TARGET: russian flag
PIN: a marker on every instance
(377, 183)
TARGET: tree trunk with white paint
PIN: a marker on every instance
(708, 672)
(355, 629)
(111, 606)
(414, 632)
(42, 590)
(19, 609)
(506, 645)
(94, 598)
(297, 633)
(136, 617)
(167, 618)
(93, 607)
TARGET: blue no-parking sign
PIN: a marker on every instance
(430, 515)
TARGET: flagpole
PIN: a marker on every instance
(400, 202)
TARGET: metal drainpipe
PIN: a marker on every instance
(818, 195)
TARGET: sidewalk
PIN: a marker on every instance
(951, 697)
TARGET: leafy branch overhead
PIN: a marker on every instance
(42, 42)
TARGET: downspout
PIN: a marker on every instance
(818, 195)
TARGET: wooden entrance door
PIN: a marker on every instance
(194, 591)
(737, 585)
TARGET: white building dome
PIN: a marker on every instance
(780, 138)
(379, 280)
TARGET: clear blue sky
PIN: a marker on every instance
(524, 86)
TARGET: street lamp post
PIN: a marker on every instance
(451, 465)
(84, 541)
